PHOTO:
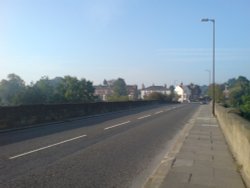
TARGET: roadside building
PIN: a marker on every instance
(183, 92)
(154, 89)
(132, 92)
(103, 92)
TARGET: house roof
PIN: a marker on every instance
(100, 87)
(156, 88)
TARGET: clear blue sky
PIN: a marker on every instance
(142, 41)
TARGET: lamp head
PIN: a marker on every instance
(205, 20)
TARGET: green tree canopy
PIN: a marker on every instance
(119, 87)
(76, 91)
(11, 90)
(239, 95)
(237, 89)
(195, 91)
(245, 106)
(219, 97)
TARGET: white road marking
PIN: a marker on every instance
(46, 147)
(158, 112)
(113, 126)
(209, 125)
(144, 116)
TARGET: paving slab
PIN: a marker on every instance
(204, 161)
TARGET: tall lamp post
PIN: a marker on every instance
(213, 21)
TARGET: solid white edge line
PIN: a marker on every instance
(49, 146)
(144, 116)
(113, 126)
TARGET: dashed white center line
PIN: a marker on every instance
(46, 147)
(113, 126)
(158, 112)
(144, 116)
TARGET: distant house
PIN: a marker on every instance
(104, 91)
(154, 89)
(183, 92)
(132, 92)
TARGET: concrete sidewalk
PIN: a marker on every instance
(204, 160)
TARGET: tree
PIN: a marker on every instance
(235, 96)
(171, 88)
(11, 90)
(239, 94)
(219, 97)
(195, 91)
(245, 107)
(119, 87)
(204, 90)
(72, 90)
(88, 91)
(237, 89)
(231, 82)
(45, 91)
(105, 83)
(44, 86)
(32, 95)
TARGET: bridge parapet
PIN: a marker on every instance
(237, 132)
(31, 115)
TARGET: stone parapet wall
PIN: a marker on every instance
(237, 132)
(26, 115)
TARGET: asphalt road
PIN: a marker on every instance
(113, 150)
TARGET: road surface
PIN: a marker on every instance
(113, 150)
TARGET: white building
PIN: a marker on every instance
(154, 89)
(183, 92)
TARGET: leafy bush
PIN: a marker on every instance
(159, 97)
(245, 107)
(117, 98)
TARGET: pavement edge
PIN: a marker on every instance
(161, 171)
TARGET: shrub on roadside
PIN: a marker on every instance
(245, 107)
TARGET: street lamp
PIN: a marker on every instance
(213, 21)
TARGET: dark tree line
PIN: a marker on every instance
(195, 92)
(67, 89)
(239, 95)
(234, 93)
